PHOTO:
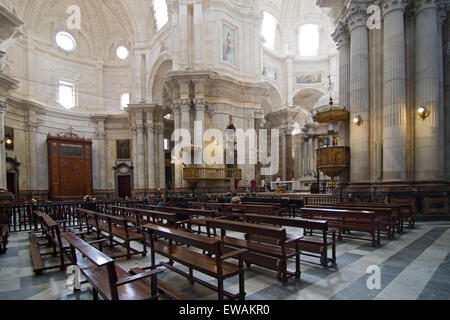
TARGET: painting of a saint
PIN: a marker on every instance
(229, 44)
(308, 78)
(123, 150)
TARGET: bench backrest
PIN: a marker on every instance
(97, 258)
(287, 222)
(387, 211)
(186, 211)
(247, 228)
(201, 242)
(341, 214)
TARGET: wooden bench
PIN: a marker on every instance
(389, 222)
(313, 244)
(214, 264)
(114, 227)
(186, 216)
(348, 220)
(4, 233)
(140, 217)
(239, 208)
(107, 279)
(268, 246)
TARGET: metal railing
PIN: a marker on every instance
(211, 174)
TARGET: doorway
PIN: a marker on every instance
(12, 182)
(124, 186)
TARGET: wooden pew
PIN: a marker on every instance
(268, 246)
(114, 226)
(308, 243)
(214, 264)
(241, 208)
(348, 220)
(389, 222)
(107, 279)
(4, 226)
(140, 217)
(187, 216)
(405, 211)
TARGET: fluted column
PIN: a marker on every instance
(306, 156)
(178, 166)
(185, 109)
(200, 108)
(151, 159)
(32, 127)
(283, 133)
(102, 154)
(3, 182)
(359, 93)
(429, 132)
(342, 39)
(159, 132)
(139, 128)
(394, 92)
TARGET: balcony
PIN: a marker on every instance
(199, 174)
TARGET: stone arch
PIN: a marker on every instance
(156, 80)
(272, 100)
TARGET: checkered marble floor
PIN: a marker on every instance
(414, 266)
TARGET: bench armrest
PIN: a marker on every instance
(233, 254)
(137, 277)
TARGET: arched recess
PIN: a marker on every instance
(305, 101)
(272, 100)
(158, 76)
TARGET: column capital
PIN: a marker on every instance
(101, 135)
(341, 35)
(392, 5)
(150, 128)
(3, 107)
(138, 128)
(185, 105)
(176, 108)
(356, 16)
(200, 104)
(159, 130)
(421, 5)
(32, 126)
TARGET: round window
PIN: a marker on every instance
(122, 52)
(66, 41)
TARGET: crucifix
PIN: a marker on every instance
(71, 132)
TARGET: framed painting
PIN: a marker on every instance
(303, 78)
(123, 149)
(228, 44)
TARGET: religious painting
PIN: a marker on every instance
(229, 44)
(303, 78)
(70, 150)
(123, 149)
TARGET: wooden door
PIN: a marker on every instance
(124, 186)
(11, 177)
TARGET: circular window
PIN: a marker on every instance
(66, 41)
(122, 52)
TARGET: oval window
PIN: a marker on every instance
(122, 52)
(66, 41)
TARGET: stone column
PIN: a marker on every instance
(102, 154)
(159, 132)
(152, 158)
(429, 132)
(283, 154)
(185, 109)
(342, 38)
(139, 128)
(200, 109)
(175, 159)
(394, 92)
(3, 182)
(447, 102)
(359, 93)
(306, 156)
(32, 127)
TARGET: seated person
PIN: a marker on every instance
(236, 200)
(162, 202)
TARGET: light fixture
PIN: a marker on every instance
(122, 52)
(8, 141)
(357, 120)
(423, 113)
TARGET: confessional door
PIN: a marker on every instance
(124, 186)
